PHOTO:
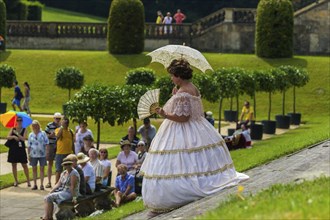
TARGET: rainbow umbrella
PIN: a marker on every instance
(8, 119)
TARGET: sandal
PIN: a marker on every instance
(34, 188)
(42, 187)
(15, 184)
(49, 185)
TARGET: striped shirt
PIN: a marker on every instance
(50, 128)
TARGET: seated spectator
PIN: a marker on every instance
(147, 131)
(66, 188)
(247, 115)
(82, 185)
(81, 132)
(127, 157)
(209, 117)
(106, 166)
(131, 137)
(142, 153)
(125, 186)
(88, 173)
(97, 166)
(88, 144)
(240, 139)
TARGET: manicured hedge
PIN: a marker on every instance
(126, 27)
(274, 29)
(34, 10)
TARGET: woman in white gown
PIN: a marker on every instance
(187, 159)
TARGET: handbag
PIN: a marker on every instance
(8, 143)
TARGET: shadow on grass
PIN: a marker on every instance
(295, 61)
(133, 61)
(4, 55)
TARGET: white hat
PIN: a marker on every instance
(141, 143)
(57, 115)
(209, 113)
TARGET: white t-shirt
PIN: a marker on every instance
(106, 163)
(89, 171)
(79, 140)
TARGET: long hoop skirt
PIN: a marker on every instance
(186, 161)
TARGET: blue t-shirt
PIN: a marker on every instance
(122, 184)
(18, 93)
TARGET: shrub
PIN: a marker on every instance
(18, 12)
(274, 29)
(34, 10)
(140, 76)
(126, 27)
(165, 85)
(3, 25)
(69, 78)
(7, 77)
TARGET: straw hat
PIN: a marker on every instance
(82, 158)
(72, 157)
(125, 142)
(66, 161)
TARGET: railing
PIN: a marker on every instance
(299, 4)
(160, 31)
(244, 15)
(56, 29)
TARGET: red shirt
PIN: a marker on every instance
(179, 17)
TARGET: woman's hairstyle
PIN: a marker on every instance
(105, 153)
(27, 84)
(180, 68)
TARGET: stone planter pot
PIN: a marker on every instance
(230, 115)
(3, 107)
(283, 121)
(295, 118)
(231, 131)
(269, 127)
(256, 131)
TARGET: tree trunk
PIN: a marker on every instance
(237, 106)
(220, 107)
(255, 106)
(135, 125)
(98, 134)
(294, 99)
(0, 94)
(231, 103)
(283, 103)
(270, 105)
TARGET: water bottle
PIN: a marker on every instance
(19, 144)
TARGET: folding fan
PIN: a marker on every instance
(148, 103)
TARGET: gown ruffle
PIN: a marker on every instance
(186, 161)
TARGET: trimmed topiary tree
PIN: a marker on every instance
(166, 86)
(274, 29)
(126, 27)
(69, 78)
(7, 77)
(140, 76)
(3, 26)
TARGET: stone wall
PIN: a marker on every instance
(311, 29)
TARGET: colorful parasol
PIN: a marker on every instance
(8, 119)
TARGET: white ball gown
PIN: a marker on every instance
(186, 161)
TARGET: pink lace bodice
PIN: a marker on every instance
(185, 104)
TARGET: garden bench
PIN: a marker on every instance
(85, 205)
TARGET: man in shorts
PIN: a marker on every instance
(18, 95)
(51, 149)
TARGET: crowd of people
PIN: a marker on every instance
(186, 136)
(164, 23)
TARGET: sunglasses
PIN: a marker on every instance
(102, 152)
(140, 145)
(19, 120)
(58, 118)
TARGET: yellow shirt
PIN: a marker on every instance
(64, 144)
(247, 113)
(159, 20)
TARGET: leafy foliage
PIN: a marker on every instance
(207, 87)
(69, 78)
(126, 27)
(165, 85)
(140, 76)
(34, 10)
(132, 94)
(3, 25)
(297, 77)
(274, 29)
(226, 81)
(7, 77)
(267, 84)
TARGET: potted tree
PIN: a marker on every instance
(7, 77)
(298, 78)
(267, 84)
(282, 84)
(69, 78)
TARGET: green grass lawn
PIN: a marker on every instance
(308, 200)
(59, 15)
